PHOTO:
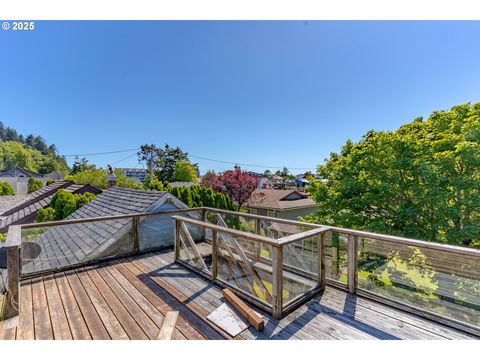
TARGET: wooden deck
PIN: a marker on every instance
(128, 299)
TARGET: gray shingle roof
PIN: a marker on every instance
(26, 212)
(67, 245)
(16, 171)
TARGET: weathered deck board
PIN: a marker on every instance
(41, 312)
(136, 285)
(185, 313)
(60, 327)
(26, 330)
(94, 323)
(103, 302)
(72, 310)
(129, 298)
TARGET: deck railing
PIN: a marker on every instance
(41, 248)
(254, 265)
(275, 263)
(433, 280)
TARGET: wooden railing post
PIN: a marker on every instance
(204, 219)
(257, 245)
(13, 247)
(214, 255)
(352, 263)
(135, 235)
(176, 246)
(277, 281)
(322, 276)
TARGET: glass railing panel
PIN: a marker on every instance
(61, 246)
(441, 282)
(238, 266)
(336, 256)
(277, 230)
(232, 221)
(300, 267)
(157, 231)
(192, 249)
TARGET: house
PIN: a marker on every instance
(64, 246)
(265, 183)
(301, 183)
(137, 174)
(55, 175)
(285, 204)
(26, 212)
(18, 177)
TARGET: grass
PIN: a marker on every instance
(268, 286)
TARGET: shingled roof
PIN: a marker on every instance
(26, 212)
(279, 199)
(70, 244)
(16, 171)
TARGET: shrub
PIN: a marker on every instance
(5, 188)
(34, 185)
(184, 171)
(47, 214)
(63, 204)
(51, 181)
(197, 196)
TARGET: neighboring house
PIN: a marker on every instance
(285, 204)
(66, 245)
(265, 183)
(26, 212)
(18, 177)
(55, 175)
(301, 183)
(253, 173)
(137, 174)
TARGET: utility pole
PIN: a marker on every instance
(150, 164)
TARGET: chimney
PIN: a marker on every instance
(112, 179)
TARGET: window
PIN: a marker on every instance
(253, 211)
(272, 213)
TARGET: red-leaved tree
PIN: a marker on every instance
(237, 184)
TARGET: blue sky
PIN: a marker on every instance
(266, 93)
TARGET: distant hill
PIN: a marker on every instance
(30, 152)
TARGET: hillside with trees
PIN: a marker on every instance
(421, 181)
(30, 152)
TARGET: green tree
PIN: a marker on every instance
(163, 160)
(16, 154)
(184, 171)
(34, 185)
(95, 177)
(421, 181)
(5, 189)
(81, 165)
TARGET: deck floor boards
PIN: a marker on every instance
(129, 298)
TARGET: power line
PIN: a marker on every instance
(250, 165)
(102, 153)
(126, 158)
(192, 156)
